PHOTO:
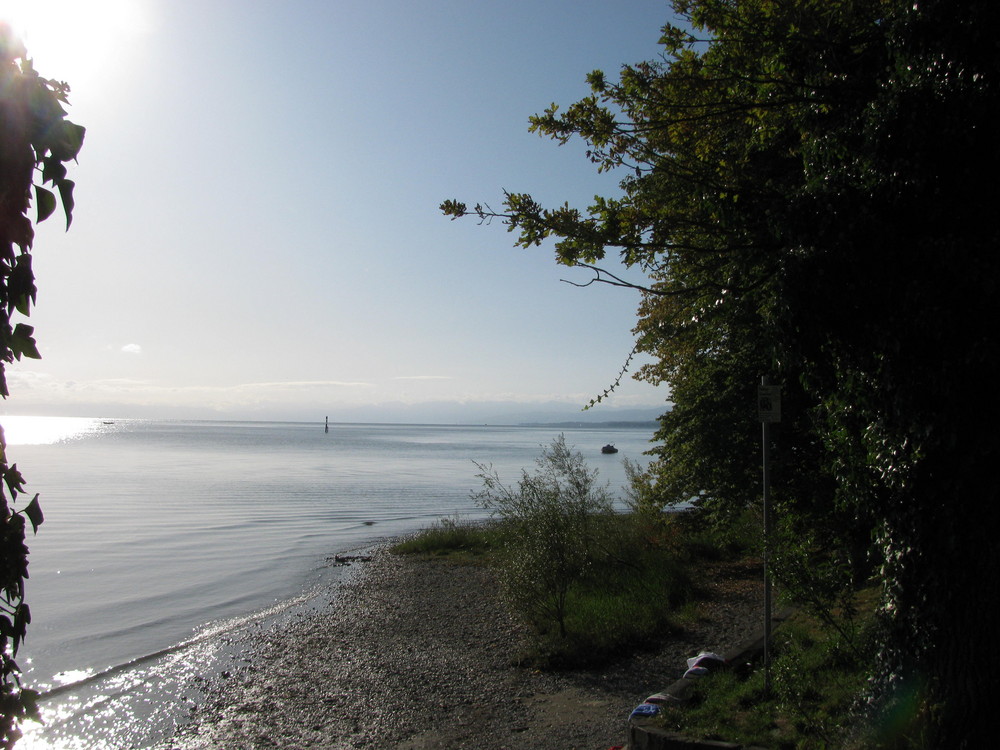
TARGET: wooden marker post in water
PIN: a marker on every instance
(769, 410)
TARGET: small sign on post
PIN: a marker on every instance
(769, 403)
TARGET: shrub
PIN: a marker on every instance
(551, 521)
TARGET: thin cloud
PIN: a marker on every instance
(132, 349)
(424, 377)
(308, 384)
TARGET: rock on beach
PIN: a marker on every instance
(418, 654)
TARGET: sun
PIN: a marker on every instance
(75, 40)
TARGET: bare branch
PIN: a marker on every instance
(603, 276)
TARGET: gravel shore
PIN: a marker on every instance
(417, 654)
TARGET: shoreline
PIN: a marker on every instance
(418, 654)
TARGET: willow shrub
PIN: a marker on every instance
(586, 579)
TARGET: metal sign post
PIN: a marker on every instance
(769, 410)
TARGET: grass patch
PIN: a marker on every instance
(618, 607)
(635, 590)
(452, 538)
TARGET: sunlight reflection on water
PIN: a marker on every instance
(139, 704)
(132, 708)
(49, 430)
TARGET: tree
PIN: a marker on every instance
(803, 184)
(36, 140)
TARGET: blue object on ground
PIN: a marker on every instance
(645, 710)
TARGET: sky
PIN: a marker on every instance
(257, 234)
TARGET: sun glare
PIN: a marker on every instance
(48, 430)
(73, 40)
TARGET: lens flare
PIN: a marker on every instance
(75, 41)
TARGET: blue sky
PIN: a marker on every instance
(256, 233)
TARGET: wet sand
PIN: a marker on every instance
(418, 654)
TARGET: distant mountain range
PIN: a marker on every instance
(492, 413)
(652, 424)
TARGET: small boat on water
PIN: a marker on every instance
(609, 448)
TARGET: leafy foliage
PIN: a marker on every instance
(803, 183)
(36, 140)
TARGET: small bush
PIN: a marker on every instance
(590, 582)
(550, 523)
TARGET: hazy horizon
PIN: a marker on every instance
(445, 413)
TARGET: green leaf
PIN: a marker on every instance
(34, 513)
(46, 203)
(73, 138)
(22, 342)
(21, 284)
(67, 140)
(23, 304)
(453, 208)
(22, 619)
(53, 170)
(66, 193)
(29, 702)
(14, 481)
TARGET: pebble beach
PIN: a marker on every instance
(415, 654)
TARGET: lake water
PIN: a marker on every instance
(160, 538)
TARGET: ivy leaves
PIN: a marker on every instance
(56, 144)
(36, 141)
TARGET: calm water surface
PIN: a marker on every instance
(162, 537)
